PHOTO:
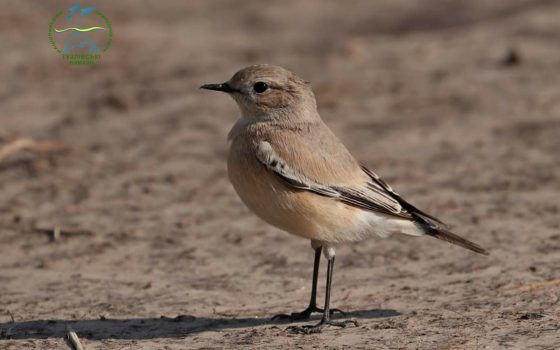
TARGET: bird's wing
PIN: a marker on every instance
(377, 182)
(368, 192)
(364, 195)
(273, 162)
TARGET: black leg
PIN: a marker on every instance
(326, 320)
(326, 312)
(316, 265)
(305, 314)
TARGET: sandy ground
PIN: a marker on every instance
(455, 103)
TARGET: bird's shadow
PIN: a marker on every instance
(147, 328)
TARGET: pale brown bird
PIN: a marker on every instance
(293, 172)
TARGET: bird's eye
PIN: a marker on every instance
(260, 87)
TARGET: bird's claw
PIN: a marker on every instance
(304, 315)
(294, 316)
(318, 328)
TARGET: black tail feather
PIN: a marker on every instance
(448, 236)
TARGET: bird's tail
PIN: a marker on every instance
(448, 236)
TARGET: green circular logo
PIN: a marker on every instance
(81, 35)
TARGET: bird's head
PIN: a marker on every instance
(268, 92)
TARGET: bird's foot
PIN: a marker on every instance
(304, 315)
(318, 328)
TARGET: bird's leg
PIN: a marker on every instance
(305, 314)
(326, 320)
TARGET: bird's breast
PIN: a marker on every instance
(296, 211)
(263, 193)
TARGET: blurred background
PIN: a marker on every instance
(116, 215)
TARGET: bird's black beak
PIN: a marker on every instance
(224, 87)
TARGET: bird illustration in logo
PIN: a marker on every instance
(78, 40)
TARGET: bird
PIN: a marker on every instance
(291, 170)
